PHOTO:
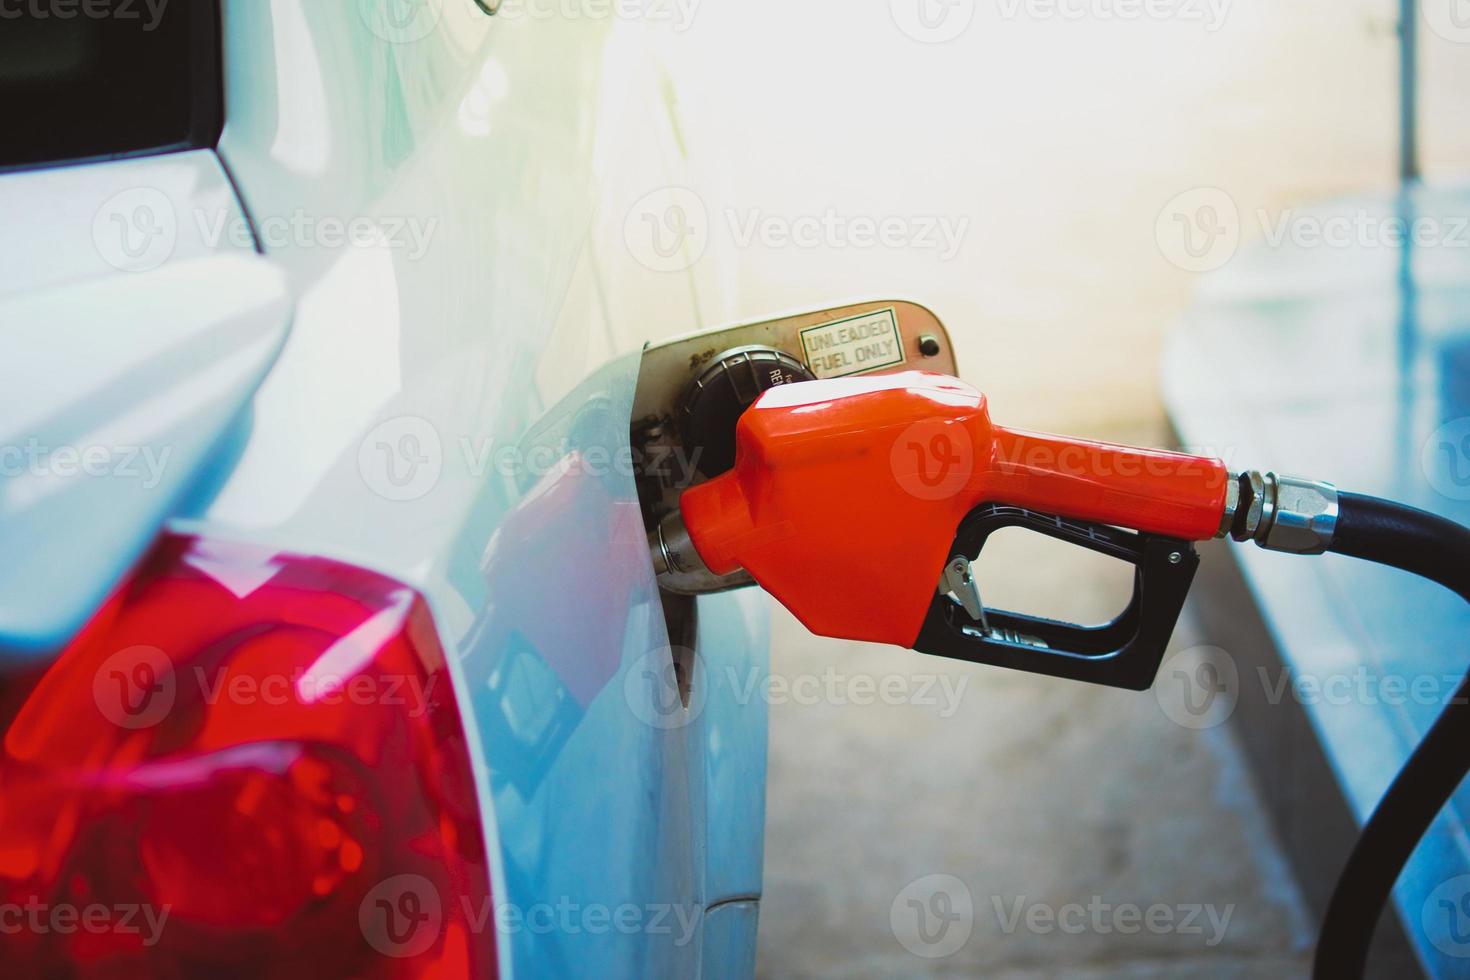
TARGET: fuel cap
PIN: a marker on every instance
(717, 399)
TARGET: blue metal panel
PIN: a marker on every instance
(1352, 364)
(729, 941)
(734, 651)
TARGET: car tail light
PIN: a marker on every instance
(248, 764)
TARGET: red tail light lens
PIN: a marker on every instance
(248, 765)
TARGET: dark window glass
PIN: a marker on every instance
(87, 79)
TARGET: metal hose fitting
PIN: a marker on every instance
(1281, 513)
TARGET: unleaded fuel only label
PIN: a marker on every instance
(852, 346)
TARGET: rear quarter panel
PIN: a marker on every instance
(451, 408)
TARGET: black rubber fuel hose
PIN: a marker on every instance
(1435, 548)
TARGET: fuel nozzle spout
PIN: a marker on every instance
(679, 567)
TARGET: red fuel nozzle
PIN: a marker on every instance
(849, 498)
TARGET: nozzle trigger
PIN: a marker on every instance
(1123, 653)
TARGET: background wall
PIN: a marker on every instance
(1057, 141)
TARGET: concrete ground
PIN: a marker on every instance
(1067, 149)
